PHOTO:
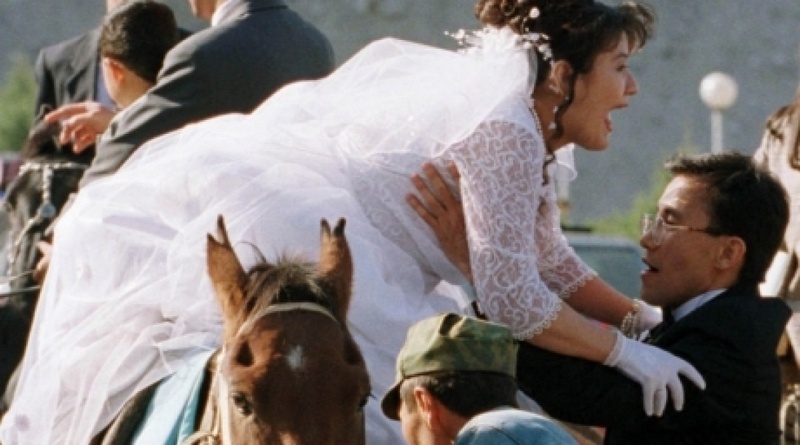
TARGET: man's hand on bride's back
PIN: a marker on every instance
(440, 209)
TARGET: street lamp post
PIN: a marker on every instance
(718, 91)
(563, 176)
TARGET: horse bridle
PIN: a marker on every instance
(217, 430)
(45, 214)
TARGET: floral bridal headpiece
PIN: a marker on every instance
(498, 40)
(537, 40)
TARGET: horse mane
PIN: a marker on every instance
(289, 280)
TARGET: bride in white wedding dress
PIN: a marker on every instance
(127, 301)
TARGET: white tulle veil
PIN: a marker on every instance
(126, 300)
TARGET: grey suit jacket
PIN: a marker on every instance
(231, 67)
(67, 72)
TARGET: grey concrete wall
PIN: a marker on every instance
(754, 41)
(27, 25)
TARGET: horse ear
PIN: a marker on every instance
(336, 264)
(227, 276)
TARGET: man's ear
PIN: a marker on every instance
(560, 75)
(731, 253)
(424, 402)
(115, 68)
(429, 408)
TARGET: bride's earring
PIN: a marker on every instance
(556, 109)
(557, 91)
(552, 126)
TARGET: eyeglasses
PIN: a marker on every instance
(657, 228)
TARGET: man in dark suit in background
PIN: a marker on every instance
(252, 48)
(69, 72)
(719, 223)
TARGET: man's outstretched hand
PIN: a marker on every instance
(440, 209)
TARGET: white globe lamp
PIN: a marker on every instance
(718, 91)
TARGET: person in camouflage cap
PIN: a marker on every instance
(456, 385)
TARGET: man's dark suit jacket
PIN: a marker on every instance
(231, 67)
(67, 72)
(731, 340)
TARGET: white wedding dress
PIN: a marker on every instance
(127, 299)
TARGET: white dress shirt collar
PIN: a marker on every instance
(686, 308)
(223, 11)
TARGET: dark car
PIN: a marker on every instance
(617, 260)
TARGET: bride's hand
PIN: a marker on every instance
(443, 213)
(657, 370)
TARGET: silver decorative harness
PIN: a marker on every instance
(46, 213)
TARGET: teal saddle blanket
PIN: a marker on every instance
(170, 416)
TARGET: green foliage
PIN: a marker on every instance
(627, 223)
(17, 97)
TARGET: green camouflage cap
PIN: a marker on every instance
(451, 342)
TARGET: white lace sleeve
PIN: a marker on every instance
(501, 169)
(559, 266)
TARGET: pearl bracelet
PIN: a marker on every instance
(629, 322)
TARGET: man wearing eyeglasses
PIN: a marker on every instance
(719, 223)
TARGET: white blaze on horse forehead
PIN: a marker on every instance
(295, 358)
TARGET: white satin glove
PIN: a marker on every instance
(656, 370)
(649, 317)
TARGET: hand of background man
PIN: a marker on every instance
(40, 271)
(81, 123)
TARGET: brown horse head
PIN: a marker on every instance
(294, 374)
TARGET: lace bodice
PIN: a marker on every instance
(518, 277)
(521, 263)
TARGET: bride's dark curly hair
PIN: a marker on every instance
(578, 30)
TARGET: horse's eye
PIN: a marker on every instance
(241, 403)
